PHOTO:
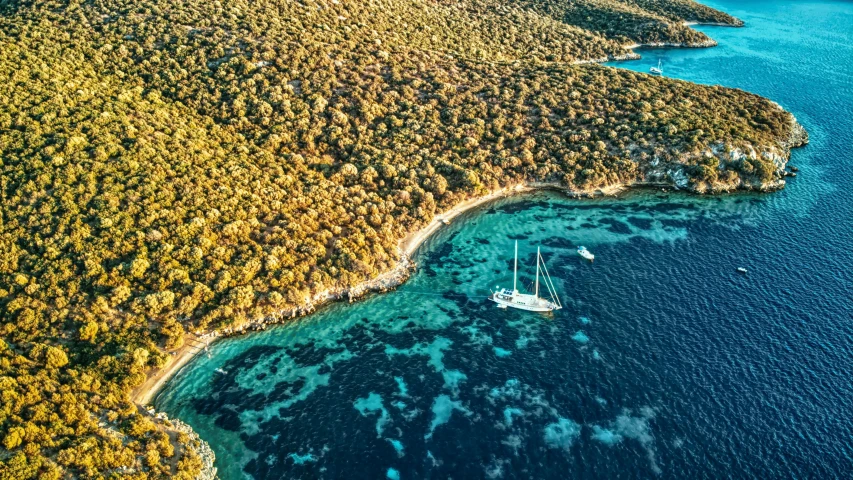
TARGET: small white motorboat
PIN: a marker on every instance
(582, 251)
(657, 70)
(219, 370)
(741, 270)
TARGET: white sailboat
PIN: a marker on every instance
(657, 70)
(534, 303)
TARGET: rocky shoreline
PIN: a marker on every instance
(798, 136)
(201, 448)
(384, 282)
(738, 23)
(706, 44)
(631, 55)
(675, 173)
(610, 58)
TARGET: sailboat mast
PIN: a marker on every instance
(536, 292)
(515, 269)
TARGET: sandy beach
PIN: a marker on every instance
(145, 393)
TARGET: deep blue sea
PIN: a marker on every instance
(665, 362)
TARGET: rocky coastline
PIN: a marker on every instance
(201, 447)
(738, 23)
(631, 55)
(706, 44)
(384, 282)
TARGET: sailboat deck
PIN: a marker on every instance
(523, 301)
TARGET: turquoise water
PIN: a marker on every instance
(664, 361)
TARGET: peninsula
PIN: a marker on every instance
(175, 168)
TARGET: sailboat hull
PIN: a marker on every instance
(521, 301)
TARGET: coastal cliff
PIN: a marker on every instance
(200, 448)
(678, 176)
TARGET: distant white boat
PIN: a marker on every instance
(534, 303)
(219, 370)
(741, 270)
(582, 251)
(657, 70)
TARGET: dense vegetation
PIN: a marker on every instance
(634, 21)
(172, 166)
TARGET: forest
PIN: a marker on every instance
(192, 165)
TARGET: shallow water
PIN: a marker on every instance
(664, 361)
